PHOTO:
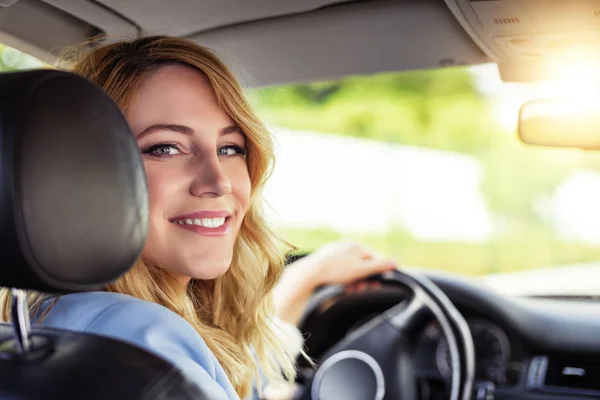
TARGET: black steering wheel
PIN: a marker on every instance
(374, 361)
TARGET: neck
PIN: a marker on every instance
(184, 281)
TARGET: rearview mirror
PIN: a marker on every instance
(560, 123)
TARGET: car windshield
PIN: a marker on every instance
(427, 167)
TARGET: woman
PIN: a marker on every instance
(200, 296)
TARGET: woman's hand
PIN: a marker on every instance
(342, 262)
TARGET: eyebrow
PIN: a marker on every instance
(183, 129)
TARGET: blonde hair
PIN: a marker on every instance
(233, 313)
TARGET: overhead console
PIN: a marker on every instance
(533, 39)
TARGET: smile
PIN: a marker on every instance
(206, 222)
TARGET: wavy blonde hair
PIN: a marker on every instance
(233, 313)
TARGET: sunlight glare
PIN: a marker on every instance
(579, 84)
(579, 87)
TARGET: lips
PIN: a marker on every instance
(203, 214)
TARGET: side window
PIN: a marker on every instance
(12, 59)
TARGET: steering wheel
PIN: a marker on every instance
(374, 361)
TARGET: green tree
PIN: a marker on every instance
(6, 56)
(437, 109)
(13, 60)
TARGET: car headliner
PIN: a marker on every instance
(265, 41)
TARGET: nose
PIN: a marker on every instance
(209, 179)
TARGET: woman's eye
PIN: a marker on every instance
(162, 150)
(231, 151)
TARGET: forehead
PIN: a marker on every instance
(176, 94)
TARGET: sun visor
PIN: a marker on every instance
(534, 40)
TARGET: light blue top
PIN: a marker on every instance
(147, 325)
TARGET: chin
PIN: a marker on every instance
(209, 270)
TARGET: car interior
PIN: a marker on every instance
(416, 335)
(37, 238)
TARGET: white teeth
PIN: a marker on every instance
(206, 222)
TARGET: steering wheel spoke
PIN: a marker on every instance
(409, 314)
(375, 362)
(367, 364)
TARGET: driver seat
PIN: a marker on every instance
(73, 217)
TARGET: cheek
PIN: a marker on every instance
(157, 196)
(240, 184)
(160, 189)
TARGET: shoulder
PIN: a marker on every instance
(141, 323)
(84, 311)
(120, 316)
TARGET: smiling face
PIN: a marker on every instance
(198, 180)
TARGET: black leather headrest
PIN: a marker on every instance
(73, 195)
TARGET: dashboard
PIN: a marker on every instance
(526, 348)
(496, 359)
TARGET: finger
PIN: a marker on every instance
(368, 267)
(374, 285)
(351, 288)
(357, 249)
(370, 254)
(356, 287)
(361, 286)
(378, 265)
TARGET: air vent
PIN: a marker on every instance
(537, 370)
(563, 374)
(573, 373)
(506, 21)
